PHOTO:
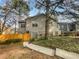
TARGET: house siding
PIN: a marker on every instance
(40, 29)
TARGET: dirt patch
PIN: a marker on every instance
(18, 52)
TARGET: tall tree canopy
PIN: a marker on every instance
(20, 5)
(50, 8)
(13, 6)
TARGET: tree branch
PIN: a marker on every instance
(40, 3)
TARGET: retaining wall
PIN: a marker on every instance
(51, 52)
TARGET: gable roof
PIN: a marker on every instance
(39, 16)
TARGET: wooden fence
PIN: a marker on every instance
(25, 36)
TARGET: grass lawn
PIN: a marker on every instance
(65, 43)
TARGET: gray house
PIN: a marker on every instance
(36, 26)
(68, 27)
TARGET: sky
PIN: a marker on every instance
(33, 10)
(2, 2)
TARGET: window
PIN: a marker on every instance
(40, 34)
(23, 25)
(35, 25)
(51, 23)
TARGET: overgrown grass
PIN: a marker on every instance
(65, 43)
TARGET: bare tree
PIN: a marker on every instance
(49, 7)
(21, 7)
(10, 7)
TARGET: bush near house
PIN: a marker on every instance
(64, 42)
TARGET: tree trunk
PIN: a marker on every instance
(3, 25)
(47, 19)
(46, 28)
